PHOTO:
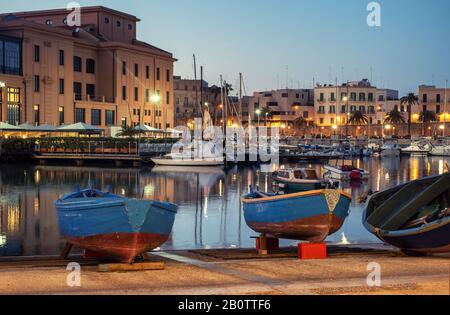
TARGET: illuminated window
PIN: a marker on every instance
(13, 106)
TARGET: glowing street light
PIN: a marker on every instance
(156, 98)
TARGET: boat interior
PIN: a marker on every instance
(411, 205)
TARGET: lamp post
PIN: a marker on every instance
(155, 100)
(258, 113)
(345, 99)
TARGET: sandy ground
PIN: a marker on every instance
(187, 274)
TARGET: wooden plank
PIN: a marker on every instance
(131, 267)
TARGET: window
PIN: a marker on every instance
(381, 98)
(77, 66)
(37, 83)
(343, 109)
(90, 90)
(147, 72)
(147, 95)
(130, 27)
(90, 66)
(10, 56)
(321, 98)
(36, 114)
(284, 95)
(343, 95)
(124, 68)
(61, 115)
(305, 114)
(13, 107)
(321, 121)
(61, 86)
(370, 97)
(438, 109)
(80, 115)
(332, 121)
(167, 97)
(157, 74)
(425, 98)
(353, 97)
(167, 75)
(37, 53)
(438, 98)
(119, 24)
(96, 117)
(124, 122)
(124, 93)
(332, 109)
(109, 117)
(333, 97)
(61, 57)
(106, 20)
(362, 97)
(77, 90)
(362, 109)
(136, 70)
(136, 94)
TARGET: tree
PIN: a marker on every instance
(394, 117)
(410, 100)
(358, 118)
(128, 132)
(426, 117)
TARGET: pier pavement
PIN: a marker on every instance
(238, 272)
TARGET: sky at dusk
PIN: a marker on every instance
(275, 43)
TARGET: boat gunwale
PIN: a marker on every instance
(295, 195)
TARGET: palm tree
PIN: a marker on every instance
(426, 117)
(410, 100)
(394, 117)
(128, 132)
(358, 118)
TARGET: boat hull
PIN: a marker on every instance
(120, 230)
(182, 162)
(308, 216)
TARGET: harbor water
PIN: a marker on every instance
(210, 212)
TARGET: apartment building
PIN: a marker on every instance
(433, 99)
(98, 73)
(334, 104)
(283, 106)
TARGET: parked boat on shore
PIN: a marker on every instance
(113, 226)
(300, 179)
(414, 217)
(308, 216)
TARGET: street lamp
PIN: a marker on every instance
(155, 100)
(442, 127)
(258, 112)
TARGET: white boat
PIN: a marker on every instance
(417, 148)
(183, 160)
(390, 150)
(345, 172)
(441, 150)
(300, 179)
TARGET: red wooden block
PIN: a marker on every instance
(312, 251)
(272, 243)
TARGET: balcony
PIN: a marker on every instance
(92, 99)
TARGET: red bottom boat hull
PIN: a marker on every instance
(313, 229)
(123, 247)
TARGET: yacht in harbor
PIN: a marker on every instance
(390, 150)
(417, 148)
(441, 150)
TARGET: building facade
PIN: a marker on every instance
(283, 107)
(433, 99)
(98, 73)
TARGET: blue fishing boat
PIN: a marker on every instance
(414, 217)
(309, 216)
(113, 226)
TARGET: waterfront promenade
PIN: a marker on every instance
(241, 273)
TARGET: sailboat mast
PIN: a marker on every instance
(240, 97)
(201, 90)
(195, 80)
(223, 104)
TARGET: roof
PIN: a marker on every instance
(88, 9)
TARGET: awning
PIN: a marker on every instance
(7, 127)
(80, 128)
(145, 128)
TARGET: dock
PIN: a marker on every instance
(237, 271)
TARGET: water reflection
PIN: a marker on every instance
(210, 213)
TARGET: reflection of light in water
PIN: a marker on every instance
(344, 240)
(149, 190)
(13, 219)
(37, 177)
(2, 240)
(441, 167)
(414, 168)
(205, 207)
(266, 183)
(358, 163)
(428, 168)
(378, 180)
(220, 188)
(122, 192)
(36, 205)
(386, 176)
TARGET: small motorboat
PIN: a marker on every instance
(417, 148)
(308, 216)
(440, 150)
(300, 179)
(346, 172)
(188, 160)
(115, 227)
(391, 150)
(414, 217)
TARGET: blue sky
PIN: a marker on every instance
(320, 39)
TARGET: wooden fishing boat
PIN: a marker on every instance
(346, 172)
(414, 217)
(300, 179)
(309, 216)
(113, 226)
